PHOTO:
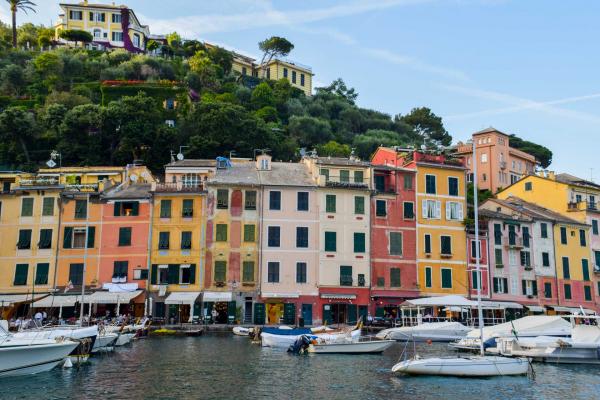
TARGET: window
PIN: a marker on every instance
(380, 282)
(285, 72)
(249, 233)
(512, 257)
(525, 259)
(432, 209)
(97, 33)
(24, 239)
(330, 201)
(273, 272)
(27, 207)
(567, 291)
(453, 186)
(565, 265)
(301, 79)
(475, 248)
(446, 278)
(186, 240)
(136, 40)
(597, 260)
(222, 199)
(74, 238)
(221, 233)
(512, 235)
(21, 272)
(408, 182)
(484, 158)
(380, 208)
(126, 209)
(358, 177)
(220, 271)
(587, 293)
(525, 234)
(163, 240)
(302, 201)
(76, 15)
(41, 273)
(582, 240)
(498, 256)
(76, 274)
(301, 237)
(430, 187)
(446, 245)
(274, 236)
(120, 270)
(563, 235)
(344, 176)
(544, 230)
(395, 243)
(345, 275)
(324, 172)
(528, 186)
(359, 205)
(501, 285)
(140, 274)
(187, 208)
(45, 239)
(548, 290)
(330, 241)
(427, 246)
(274, 200)
(125, 236)
(497, 234)
(116, 18)
(268, 72)
(529, 288)
(250, 200)
(165, 208)
(117, 36)
(48, 206)
(474, 279)
(293, 76)
(395, 277)
(454, 211)
(409, 210)
(300, 272)
(595, 227)
(545, 259)
(585, 268)
(248, 271)
(186, 274)
(359, 242)
(428, 274)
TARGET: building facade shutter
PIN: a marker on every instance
(495, 285)
(153, 274)
(68, 237)
(41, 273)
(359, 242)
(91, 237)
(330, 241)
(21, 272)
(173, 274)
(117, 209)
(192, 274)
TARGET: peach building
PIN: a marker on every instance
(498, 164)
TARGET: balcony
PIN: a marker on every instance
(77, 187)
(345, 281)
(597, 269)
(583, 206)
(513, 243)
(337, 182)
(178, 187)
(38, 181)
(502, 164)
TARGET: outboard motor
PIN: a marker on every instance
(300, 346)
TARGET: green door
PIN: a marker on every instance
(208, 307)
(307, 314)
(352, 313)
(363, 311)
(379, 312)
(289, 314)
(259, 313)
(231, 310)
(326, 314)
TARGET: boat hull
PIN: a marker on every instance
(105, 342)
(372, 347)
(124, 339)
(33, 359)
(464, 367)
(285, 341)
(435, 332)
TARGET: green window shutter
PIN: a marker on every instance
(48, 206)
(117, 209)
(498, 256)
(585, 269)
(453, 186)
(395, 277)
(359, 242)
(595, 227)
(446, 278)
(548, 290)
(249, 233)
(345, 275)
(474, 280)
(524, 287)
(21, 272)
(325, 173)
(220, 271)
(380, 208)
(534, 287)
(582, 239)
(91, 237)
(221, 233)
(187, 209)
(250, 200)
(565, 265)
(76, 274)
(395, 243)
(563, 235)
(587, 291)
(497, 234)
(358, 177)
(248, 271)
(68, 238)
(495, 285)
(567, 291)
(125, 236)
(330, 201)
(544, 230)
(173, 274)
(427, 244)
(24, 239)
(446, 244)
(135, 208)
(163, 240)
(223, 198)
(80, 209)
(359, 205)
(41, 273)
(525, 234)
(380, 281)
(186, 240)
(344, 175)
(153, 274)
(45, 239)
(330, 241)
(409, 210)
(165, 208)
(192, 274)
(27, 207)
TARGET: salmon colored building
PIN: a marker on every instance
(393, 234)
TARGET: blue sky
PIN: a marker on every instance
(524, 67)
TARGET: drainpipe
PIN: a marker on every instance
(149, 250)
(555, 268)
(60, 205)
(260, 243)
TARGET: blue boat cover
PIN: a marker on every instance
(287, 332)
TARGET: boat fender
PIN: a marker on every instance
(68, 363)
(491, 342)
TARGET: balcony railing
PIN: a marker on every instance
(345, 281)
(583, 206)
(514, 243)
(336, 181)
(185, 187)
(39, 182)
(75, 187)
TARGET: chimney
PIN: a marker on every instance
(263, 162)
(551, 175)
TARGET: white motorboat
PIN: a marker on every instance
(105, 342)
(31, 356)
(530, 326)
(320, 346)
(472, 366)
(281, 340)
(124, 338)
(242, 331)
(582, 347)
(434, 331)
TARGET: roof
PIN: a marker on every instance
(491, 129)
(573, 180)
(192, 163)
(286, 174)
(341, 161)
(529, 209)
(94, 5)
(243, 173)
(135, 191)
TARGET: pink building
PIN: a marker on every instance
(483, 262)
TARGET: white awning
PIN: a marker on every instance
(500, 305)
(120, 287)
(573, 310)
(440, 301)
(182, 297)
(338, 296)
(217, 296)
(102, 297)
(535, 308)
(280, 295)
(57, 301)
(7, 300)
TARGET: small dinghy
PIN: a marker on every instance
(242, 331)
(475, 366)
(351, 347)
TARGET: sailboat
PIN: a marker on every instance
(470, 366)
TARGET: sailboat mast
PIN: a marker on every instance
(85, 253)
(477, 249)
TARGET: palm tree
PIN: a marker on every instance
(16, 5)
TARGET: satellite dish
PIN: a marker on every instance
(51, 164)
(133, 178)
(423, 147)
(180, 156)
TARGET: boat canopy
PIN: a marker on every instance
(502, 305)
(536, 308)
(440, 301)
(182, 298)
(216, 296)
(104, 297)
(572, 310)
(287, 332)
(533, 325)
(57, 301)
(7, 300)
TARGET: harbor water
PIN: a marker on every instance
(221, 366)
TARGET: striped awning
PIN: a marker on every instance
(338, 296)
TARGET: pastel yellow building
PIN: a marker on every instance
(111, 26)
(300, 76)
(441, 236)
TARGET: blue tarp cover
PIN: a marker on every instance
(287, 332)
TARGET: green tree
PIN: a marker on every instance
(15, 6)
(202, 65)
(152, 45)
(18, 126)
(262, 96)
(13, 80)
(309, 131)
(542, 154)
(173, 39)
(222, 58)
(45, 37)
(367, 143)
(267, 114)
(334, 149)
(339, 89)
(273, 47)
(427, 125)
(75, 35)
(80, 141)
